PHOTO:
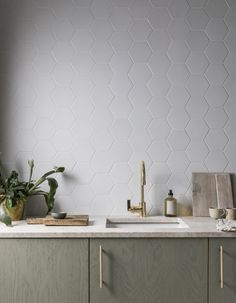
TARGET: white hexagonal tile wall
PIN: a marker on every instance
(140, 30)
(216, 8)
(179, 8)
(197, 19)
(159, 129)
(216, 139)
(178, 161)
(178, 51)
(140, 52)
(197, 40)
(178, 74)
(159, 40)
(121, 173)
(159, 18)
(197, 63)
(159, 107)
(159, 151)
(159, 63)
(178, 140)
(216, 95)
(178, 118)
(159, 173)
(216, 117)
(216, 29)
(121, 129)
(216, 51)
(197, 128)
(216, 160)
(197, 151)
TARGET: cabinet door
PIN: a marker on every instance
(149, 270)
(222, 271)
(43, 271)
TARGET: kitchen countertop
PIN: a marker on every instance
(199, 227)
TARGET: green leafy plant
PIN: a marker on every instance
(12, 189)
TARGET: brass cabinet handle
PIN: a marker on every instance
(100, 266)
(221, 267)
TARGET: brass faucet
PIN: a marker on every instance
(141, 208)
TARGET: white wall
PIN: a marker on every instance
(100, 85)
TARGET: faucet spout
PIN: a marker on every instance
(141, 208)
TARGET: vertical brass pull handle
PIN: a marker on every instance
(100, 266)
(221, 267)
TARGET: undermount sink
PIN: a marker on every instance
(146, 223)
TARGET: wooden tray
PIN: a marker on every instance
(70, 220)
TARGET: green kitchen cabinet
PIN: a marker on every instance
(43, 270)
(222, 270)
(148, 270)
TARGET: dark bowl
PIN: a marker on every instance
(60, 215)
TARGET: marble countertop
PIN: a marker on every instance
(198, 227)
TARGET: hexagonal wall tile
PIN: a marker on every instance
(65, 144)
(63, 30)
(216, 29)
(230, 151)
(197, 40)
(101, 162)
(139, 96)
(178, 51)
(101, 139)
(178, 74)
(159, 107)
(216, 51)
(179, 8)
(159, 150)
(230, 128)
(140, 52)
(43, 129)
(197, 129)
(197, 19)
(197, 63)
(216, 95)
(82, 40)
(101, 52)
(159, 18)
(101, 28)
(120, 18)
(216, 8)
(178, 96)
(216, 139)
(159, 129)
(159, 63)
(197, 85)
(230, 108)
(140, 140)
(121, 173)
(121, 107)
(25, 140)
(178, 29)
(121, 41)
(120, 84)
(101, 184)
(216, 117)
(159, 173)
(121, 129)
(63, 74)
(140, 73)
(178, 161)
(62, 96)
(140, 30)
(216, 74)
(120, 62)
(197, 107)
(159, 40)
(216, 161)
(197, 151)
(101, 8)
(159, 85)
(178, 140)
(44, 151)
(178, 118)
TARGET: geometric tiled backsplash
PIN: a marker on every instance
(99, 85)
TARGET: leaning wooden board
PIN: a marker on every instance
(211, 190)
(70, 220)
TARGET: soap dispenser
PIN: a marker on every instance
(170, 205)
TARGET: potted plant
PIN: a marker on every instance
(14, 193)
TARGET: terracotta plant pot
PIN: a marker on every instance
(16, 212)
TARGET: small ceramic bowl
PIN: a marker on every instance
(60, 215)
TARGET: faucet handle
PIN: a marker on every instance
(128, 204)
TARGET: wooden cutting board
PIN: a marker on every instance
(211, 190)
(70, 220)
